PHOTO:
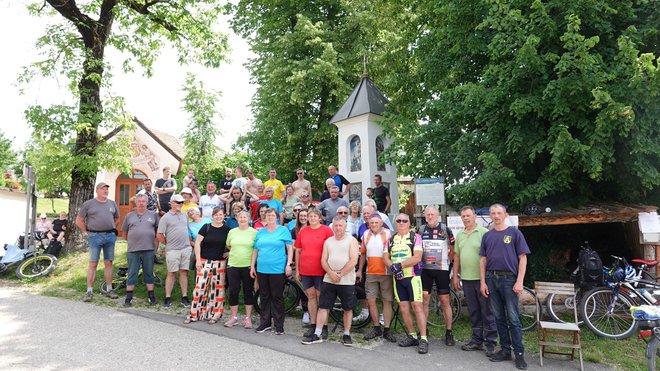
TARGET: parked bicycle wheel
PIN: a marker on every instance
(292, 295)
(36, 266)
(607, 313)
(560, 307)
(337, 312)
(527, 309)
(436, 317)
(652, 351)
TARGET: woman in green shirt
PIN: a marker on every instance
(240, 243)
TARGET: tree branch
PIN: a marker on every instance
(144, 9)
(69, 10)
(112, 133)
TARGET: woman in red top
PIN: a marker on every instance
(309, 248)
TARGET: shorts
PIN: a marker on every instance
(329, 293)
(379, 284)
(441, 279)
(408, 289)
(101, 241)
(135, 259)
(178, 260)
(309, 281)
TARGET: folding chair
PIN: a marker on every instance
(557, 329)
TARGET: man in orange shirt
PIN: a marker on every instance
(378, 281)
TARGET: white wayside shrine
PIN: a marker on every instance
(361, 142)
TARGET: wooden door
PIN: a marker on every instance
(126, 187)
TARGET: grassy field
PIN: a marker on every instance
(46, 205)
(69, 282)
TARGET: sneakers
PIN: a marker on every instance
(501, 356)
(387, 335)
(472, 346)
(520, 362)
(314, 339)
(490, 351)
(305, 319)
(309, 332)
(152, 300)
(408, 341)
(449, 339)
(88, 297)
(423, 346)
(279, 331)
(247, 324)
(185, 302)
(127, 302)
(111, 294)
(233, 321)
(374, 333)
(347, 341)
(167, 303)
(324, 332)
(263, 328)
(361, 317)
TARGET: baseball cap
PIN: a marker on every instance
(101, 185)
(186, 190)
(177, 198)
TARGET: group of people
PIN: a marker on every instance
(250, 231)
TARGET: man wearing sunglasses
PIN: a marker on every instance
(403, 257)
(301, 186)
(173, 233)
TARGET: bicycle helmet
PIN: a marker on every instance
(532, 209)
(630, 273)
(617, 275)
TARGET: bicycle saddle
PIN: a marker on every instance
(650, 263)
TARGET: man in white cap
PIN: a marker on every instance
(98, 219)
(173, 233)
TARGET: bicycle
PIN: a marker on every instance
(436, 317)
(564, 304)
(606, 310)
(31, 263)
(119, 281)
(337, 312)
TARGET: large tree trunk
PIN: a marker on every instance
(87, 139)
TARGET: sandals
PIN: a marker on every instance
(213, 321)
(187, 321)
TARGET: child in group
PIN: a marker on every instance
(58, 228)
(188, 178)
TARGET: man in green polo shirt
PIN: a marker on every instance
(466, 263)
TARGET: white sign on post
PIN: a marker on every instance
(430, 191)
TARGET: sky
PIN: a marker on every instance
(155, 101)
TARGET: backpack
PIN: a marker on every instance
(54, 247)
(590, 267)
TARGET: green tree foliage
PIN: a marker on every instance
(308, 58)
(542, 101)
(8, 157)
(74, 47)
(52, 162)
(201, 132)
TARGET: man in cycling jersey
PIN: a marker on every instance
(502, 271)
(403, 257)
(438, 243)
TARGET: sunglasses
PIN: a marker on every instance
(296, 210)
(299, 173)
(403, 221)
(178, 202)
(342, 212)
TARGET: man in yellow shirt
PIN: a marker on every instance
(278, 187)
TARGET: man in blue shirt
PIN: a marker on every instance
(502, 271)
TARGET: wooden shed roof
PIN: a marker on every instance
(603, 212)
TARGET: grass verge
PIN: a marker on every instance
(46, 205)
(69, 282)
